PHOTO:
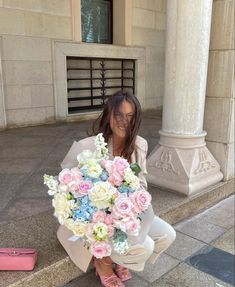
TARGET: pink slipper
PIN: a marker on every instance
(123, 273)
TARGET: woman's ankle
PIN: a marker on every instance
(103, 269)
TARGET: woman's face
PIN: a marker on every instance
(120, 119)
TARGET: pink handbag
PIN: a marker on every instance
(17, 258)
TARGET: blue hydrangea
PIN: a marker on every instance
(84, 170)
(85, 211)
(125, 188)
(94, 179)
(104, 175)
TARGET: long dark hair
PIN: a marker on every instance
(102, 123)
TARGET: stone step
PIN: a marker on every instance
(54, 267)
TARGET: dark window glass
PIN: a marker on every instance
(96, 21)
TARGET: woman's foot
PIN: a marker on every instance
(106, 274)
(123, 273)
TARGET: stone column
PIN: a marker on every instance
(181, 161)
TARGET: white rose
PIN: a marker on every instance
(101, 194)
(63, 206)
(131, 179)
(94, 169)
(78, 227)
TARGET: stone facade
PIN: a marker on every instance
(149, 27)
(27, 30)
(219, 110)
(30, 29)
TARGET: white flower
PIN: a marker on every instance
(63, 206)
(101, 231)
(92, 168)
(52, 192)
(63, 188)
(84, 156)
(131, 179)
(78, 227)
(101, 150)
(51, 183)
(101, 194)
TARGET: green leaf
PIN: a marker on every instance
(135, 168)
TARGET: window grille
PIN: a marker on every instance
(90, 81)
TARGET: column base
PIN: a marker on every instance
(183, 164)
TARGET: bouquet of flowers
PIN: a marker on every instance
(99, 200)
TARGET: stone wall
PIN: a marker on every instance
(149, 26)
(219, 110)
(27, 28)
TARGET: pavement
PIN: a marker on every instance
(201, 256)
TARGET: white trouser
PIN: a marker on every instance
(160, 237)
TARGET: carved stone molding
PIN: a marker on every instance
(165, 162)
(183, 169)
(205, 163)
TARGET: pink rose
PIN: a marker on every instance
(73, 186)
(100, 249)
(132, 226)
(120, 164)
(115, 170)
(115, 179)
(122, 207)
(84, 187)
(76, 173)
(108, 219)
(99, 216)
(65, 176)
(141, 200)
(107, 164)
(110, 230)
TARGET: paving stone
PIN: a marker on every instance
(9, 139)
(136, 281)
(225, 241)
(184, 246)
(24, 207)
(200, 229)
(36, 231)
(19, 165)
(222, 214)
(9, 184)
(55, 157)
(163, 199)
(33, 190)
(28, 152)
(187, 276)
(154, 271)
(37, 176)
(85, 280)
(214, 261)
(36, 140)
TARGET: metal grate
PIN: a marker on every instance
(90, 81)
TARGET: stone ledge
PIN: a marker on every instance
(55, 268)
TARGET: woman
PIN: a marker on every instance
(120, 122)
